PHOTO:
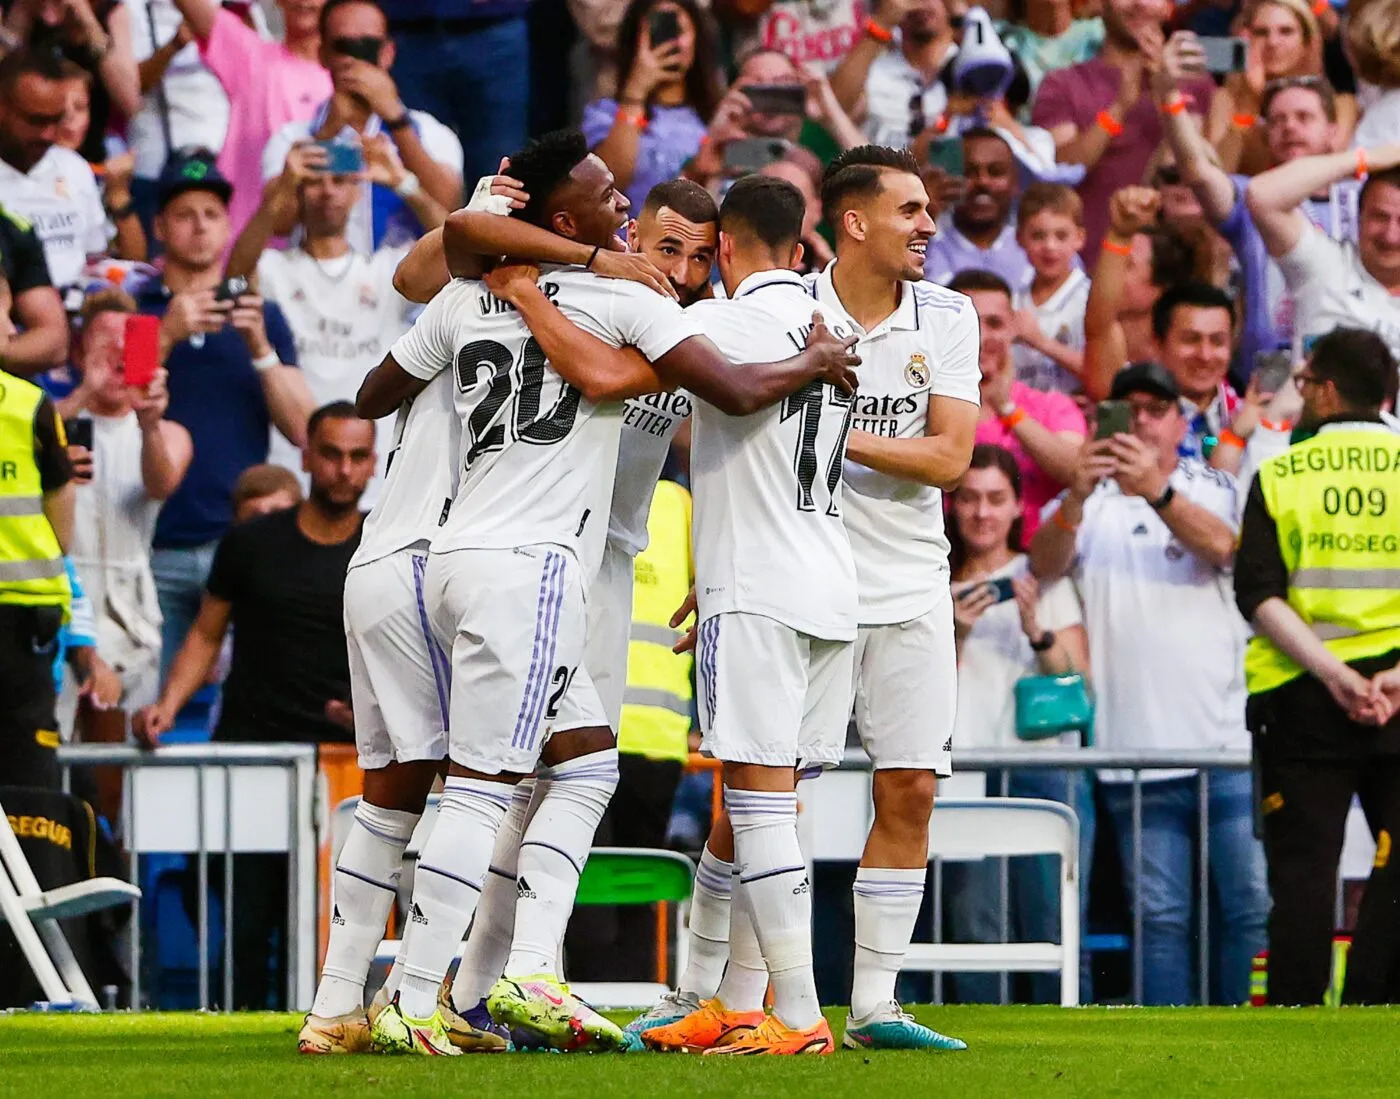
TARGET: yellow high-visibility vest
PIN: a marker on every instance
(656, 706)
(1336, 501)
(31, 562)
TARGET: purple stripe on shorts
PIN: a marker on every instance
(542, 651)
(441, 678)
(552, 638)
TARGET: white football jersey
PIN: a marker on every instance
(927, 347)
(537, 459)
(1061, 318)
(1332, 289)
(422, 475)
(768, 534)
(648, 425)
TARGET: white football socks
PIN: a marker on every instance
(709, 927)
(746, 976)
(362, 893)
(447, 885)
(573, 797)
(886, 906)
(488, 942)
(773, 883)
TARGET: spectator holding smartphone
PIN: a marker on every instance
(365, 104)
(138, 459)
(668, 86)
(1008, 626)
(980, 233)
(1149, 539)
(232, 375)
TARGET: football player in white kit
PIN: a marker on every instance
(507, 572)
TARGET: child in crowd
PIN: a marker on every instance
(1049, 350)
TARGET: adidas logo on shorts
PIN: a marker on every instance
(805, 887)
(336, 917)
(523, 890)
(416, 914)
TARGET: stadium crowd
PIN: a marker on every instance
(1109, 193)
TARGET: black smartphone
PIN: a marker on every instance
(365, 47)
(1000, 588)
(752, 154)
(663, 25)
(776, 98)
(1225, 55)
(231, 289)
(1114, 418)
(79, 432)
(1272, 370)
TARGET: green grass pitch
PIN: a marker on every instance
(1014, 1051)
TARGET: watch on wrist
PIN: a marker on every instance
(393, 125)
(1160, 504)
(1044, 643)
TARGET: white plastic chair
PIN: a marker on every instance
(33, 916)
(999, 827)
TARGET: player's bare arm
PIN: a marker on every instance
(598, 370)
(386, 387)
(938, 458)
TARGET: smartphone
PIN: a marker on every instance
(1000, 588)
(140, 350)
(1114, 418)
(79, 432)
(946, 154)
(776, 98)
(231, 289)
(1272, 369)
(1225, 55)
(342, 159)
(663, 25)
(365, 47)
(752, 154)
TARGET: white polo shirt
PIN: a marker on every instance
(1166, 643)
(1332, 289)
(60, 196)
(928, 347)
(891, 86)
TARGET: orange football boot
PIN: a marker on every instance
(710, 1026)
(773, 1038)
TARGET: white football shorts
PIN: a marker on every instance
(595, 696)
(399, 676)
(770, 694)
(512, 622)
(906, 690)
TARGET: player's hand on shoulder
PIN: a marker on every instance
(508, 279)
(834, 357)
(632, 267)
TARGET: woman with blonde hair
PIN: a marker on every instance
(1284, 42)
(1372, 43)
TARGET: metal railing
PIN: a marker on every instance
(203, 799)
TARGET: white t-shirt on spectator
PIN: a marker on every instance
(60, 196)
(1061, 318)
(190, 98)
(1166, 643)
(345, 315)
(438, 141)
(1331, 289)
(891, 85)
(995, 654)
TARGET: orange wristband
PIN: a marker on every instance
(877, 32)
(1012, 418)
(1320, 8)
(1361, 168)
(1229, 437)
(1108, 124)
(1060, 521)
(1281, 426)
(1177, 104)
(1244, 121)
(1116, 248)
(631, 116)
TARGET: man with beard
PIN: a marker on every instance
(1101, 113)
(279, 580)
(980, 233)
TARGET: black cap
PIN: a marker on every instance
(191, 172)
(1145, 377)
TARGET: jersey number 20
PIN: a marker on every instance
(512, 395)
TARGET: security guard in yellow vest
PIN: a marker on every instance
(1318, 575)
(652, 743)
(36, 519)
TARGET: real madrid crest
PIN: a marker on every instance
(916, 371)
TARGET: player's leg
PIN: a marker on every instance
(516, 622)
(398, 693)
(904, 710)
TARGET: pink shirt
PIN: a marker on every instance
(267, 87)
(1054, 411)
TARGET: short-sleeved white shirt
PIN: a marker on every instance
(649, 423)
(928, 347)
(1061, 318)
(537, 459)
(1166, 643)
(60, 196)
(422, 477)
(995, 654)
(1332, 289)
(769, 539)
(891, 85)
